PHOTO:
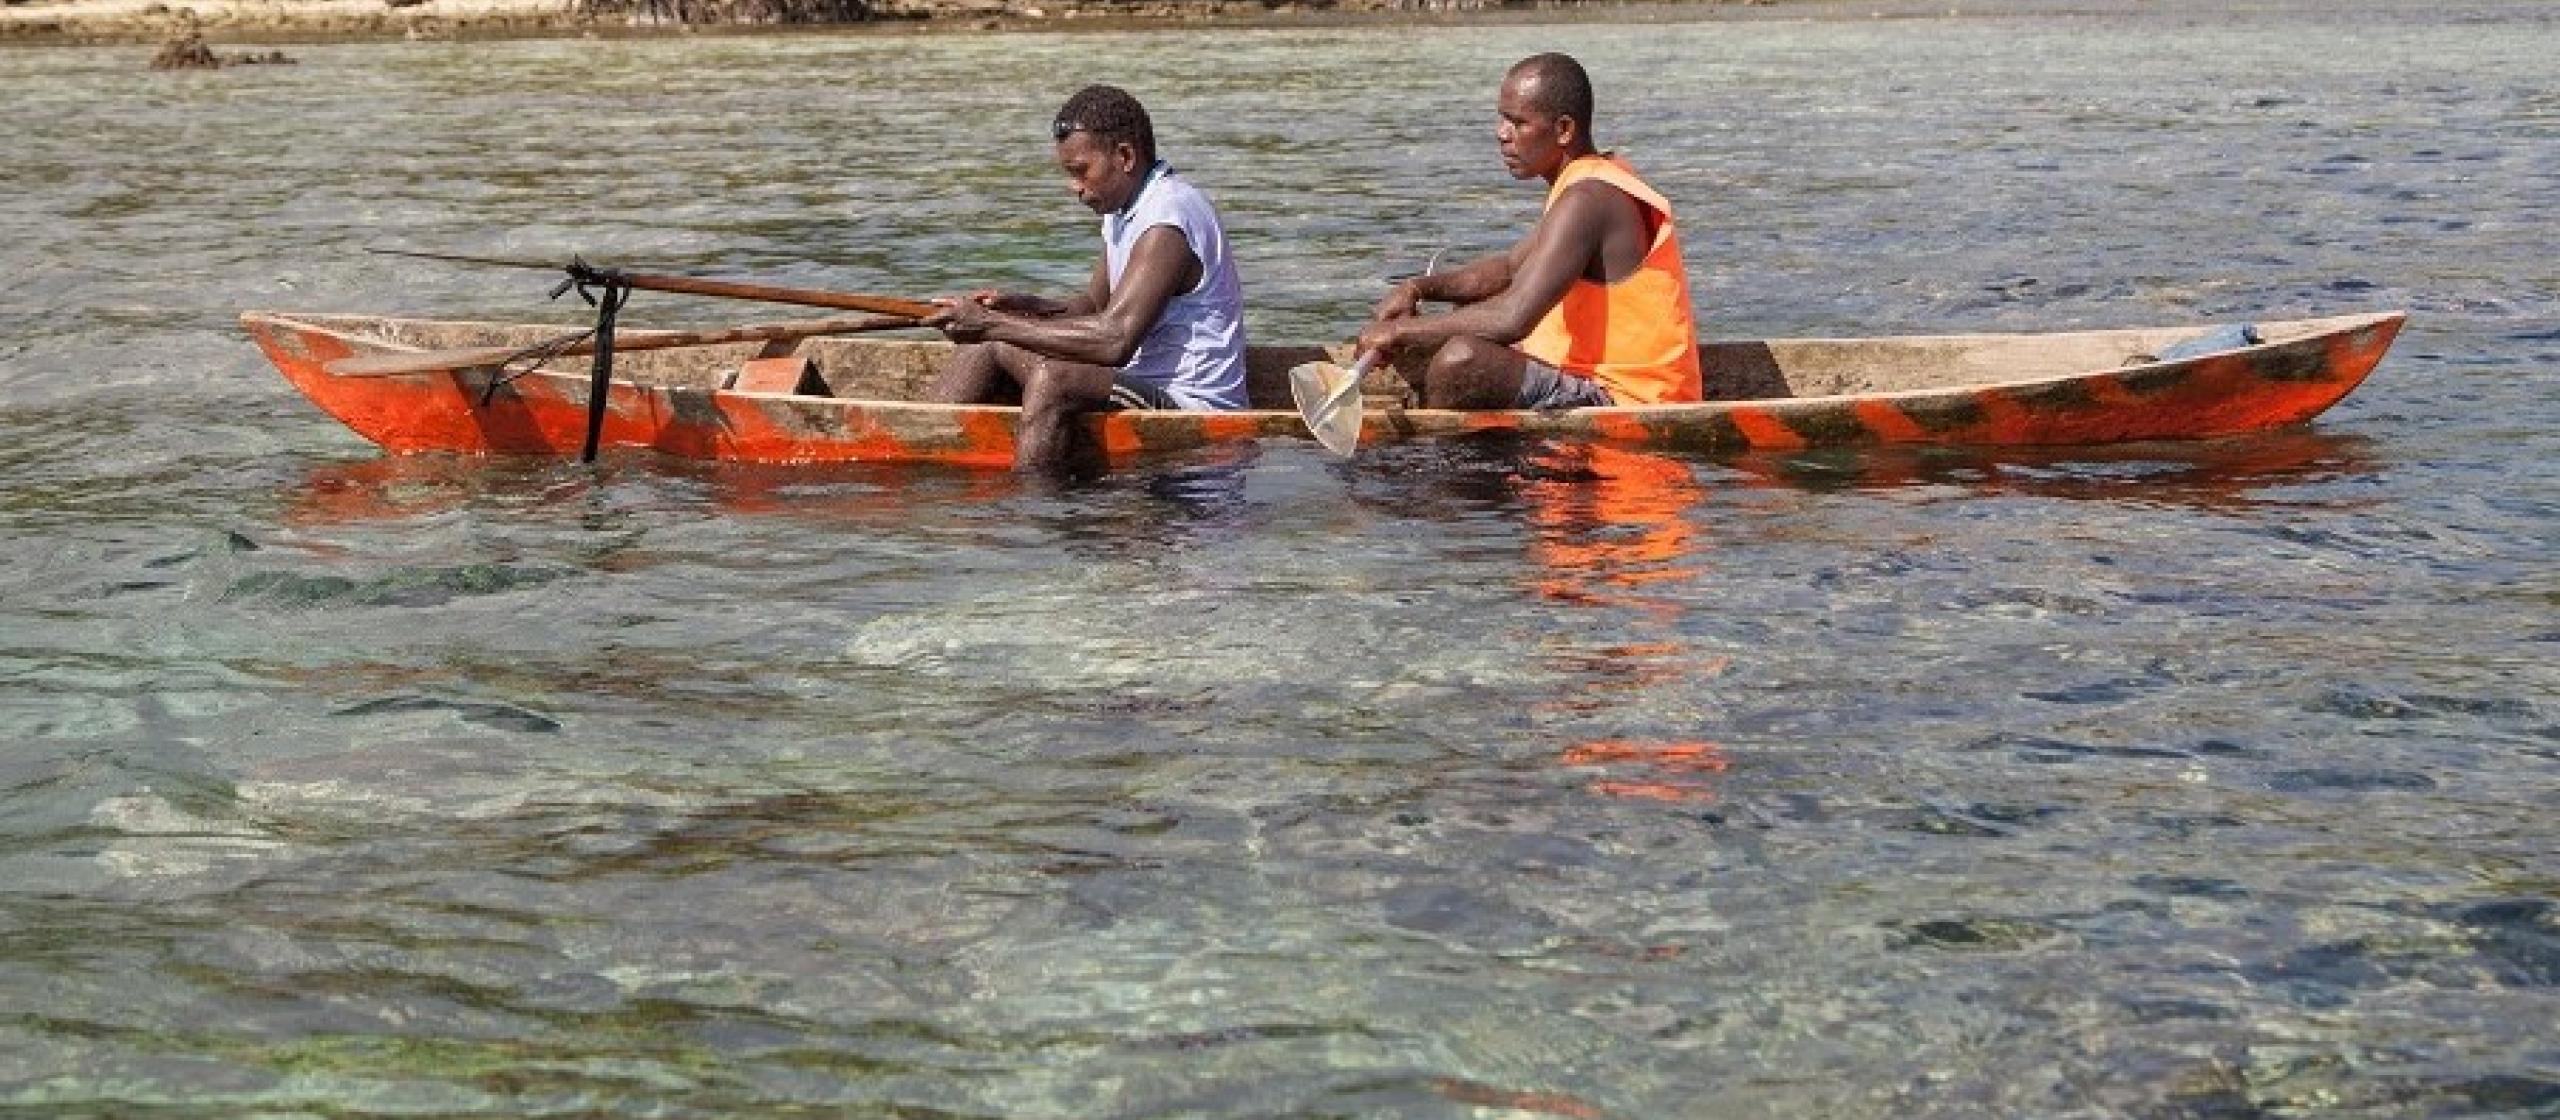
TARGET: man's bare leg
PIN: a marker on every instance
(1052, 394)
(1470, 372)
(975, 375)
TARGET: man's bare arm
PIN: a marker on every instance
(1042, 307)
(1097, 291)
(1536, 274)
(1161, 267)
(1476, 280)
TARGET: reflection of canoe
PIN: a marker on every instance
(2085, 387)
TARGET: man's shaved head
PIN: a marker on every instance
(1554, 84)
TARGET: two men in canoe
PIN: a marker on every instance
(1590, 309)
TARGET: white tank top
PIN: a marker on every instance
(1195, 353)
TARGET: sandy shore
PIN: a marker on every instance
(270, 21)
(221, 20)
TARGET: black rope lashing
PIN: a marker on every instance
(616, 291)
(527, 360)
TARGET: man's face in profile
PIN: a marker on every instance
(1102, 174)
(1531, 139)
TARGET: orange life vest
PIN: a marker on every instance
(1637, 337)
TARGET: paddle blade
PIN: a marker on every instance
(1328, 399)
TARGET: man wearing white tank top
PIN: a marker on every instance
(1159, 325)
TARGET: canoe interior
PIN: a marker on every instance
(874, 368)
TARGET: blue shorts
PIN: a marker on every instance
(1547, 389)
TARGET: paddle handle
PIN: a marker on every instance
(430, 361)
(767, 293)
(695, 286)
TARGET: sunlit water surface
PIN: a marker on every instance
(1463, 780)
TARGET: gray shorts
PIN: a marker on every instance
(1128, 394)
(1547, 389)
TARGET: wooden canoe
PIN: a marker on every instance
(1981, 390)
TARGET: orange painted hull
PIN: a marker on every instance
(2310, 366)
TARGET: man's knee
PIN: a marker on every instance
(1463, 352)
(1472, 372)
(1050, 387)
(1012, 359)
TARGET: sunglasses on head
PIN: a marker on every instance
(1058, 130)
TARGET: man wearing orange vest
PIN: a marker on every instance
(1591, 309)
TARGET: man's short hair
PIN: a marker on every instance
(1111, 115)
(1559, 87)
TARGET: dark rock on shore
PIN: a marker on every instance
(734, 11)
(189, 52)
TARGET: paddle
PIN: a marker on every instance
(580, 272)
(401, 362)
(1331, 408)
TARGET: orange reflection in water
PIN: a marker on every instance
(400, 487)
(1615, 528)
(1514, 1100)
(1649, 770)
(1606, 521)
(397, 487)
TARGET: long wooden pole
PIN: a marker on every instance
(581, 271)
(767, 293)
(402, 362)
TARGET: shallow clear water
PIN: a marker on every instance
(1468, 780)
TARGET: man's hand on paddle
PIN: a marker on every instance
(962, 320)
(1398, 321)
(966, 319)
(1499, 298)
(1382, 337)
(1401, 301)
(1014, 303)
(1102, 327)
